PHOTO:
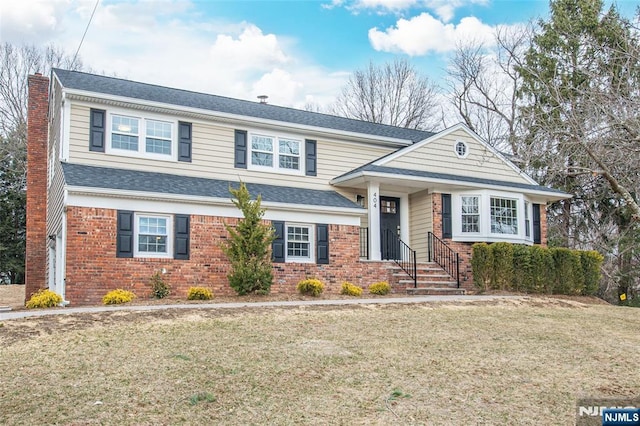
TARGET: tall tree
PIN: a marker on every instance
(16, 63)
(394, 93)
(483, 83)
(580, 87)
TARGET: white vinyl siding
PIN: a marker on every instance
(213, 155)
(420, 222)
(439, 156)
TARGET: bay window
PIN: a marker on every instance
(504, 216)
(470, 214)
(486, 215)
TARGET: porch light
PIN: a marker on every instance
(360, 200)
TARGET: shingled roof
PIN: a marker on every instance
(149, 92)
(162, 183)
(398, 172)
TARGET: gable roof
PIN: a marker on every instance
(85, 82)
(78, 175)
(373, 169)
(437, 136)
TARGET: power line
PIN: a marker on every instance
(85, 33)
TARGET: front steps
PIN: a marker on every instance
(432, 280)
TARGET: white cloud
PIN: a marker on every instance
(443, 9)
(170, 43)
(425, 34)
(31, 21)
(281, 87)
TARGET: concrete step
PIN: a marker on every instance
(435, 291)
(433, 276)
(429, 283)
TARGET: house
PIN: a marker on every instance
(126, 179)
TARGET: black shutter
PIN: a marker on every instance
(278, 245)
(446, 216)
(96, 130)
(124, 239)
(241, 149)
(184, 141)
(537, 232)
(181, 234)
(311, 158)
(322, 247)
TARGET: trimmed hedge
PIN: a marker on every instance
(535, 269)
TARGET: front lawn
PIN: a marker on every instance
(498, 362)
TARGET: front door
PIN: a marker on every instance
(389, 227)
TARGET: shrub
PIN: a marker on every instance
(44, 299)
(542, 270)
(159, 287)
(311, 286)
(118, 296)
(522, 269)
(351, 289)
(591, 262)
(248, 247)
(381, 288)
(481, 262)
(199, 293)
(502, 265)
(568, 271)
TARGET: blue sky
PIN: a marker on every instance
(296, 51)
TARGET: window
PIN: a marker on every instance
(388, 206)
(470, 214)
(299, 243)
(504, 216)
(158, 137)
(262, 151)
(124, 133)
(152, 236)
(527, 222)
(461, 149)
(289, 151)
(278, 153)
(142, 135)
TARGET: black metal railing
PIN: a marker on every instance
(364, 243)
(393, 248)
(444, 256)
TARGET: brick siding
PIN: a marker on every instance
(37, 133)
(92, 267)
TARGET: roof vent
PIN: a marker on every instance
(263, 99)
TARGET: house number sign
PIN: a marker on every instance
(375, 200)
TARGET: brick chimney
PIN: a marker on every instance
(37, 135)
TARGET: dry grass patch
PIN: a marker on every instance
(510, 362)
(12, 295)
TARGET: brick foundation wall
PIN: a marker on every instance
(37, 133)
(92, 268)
